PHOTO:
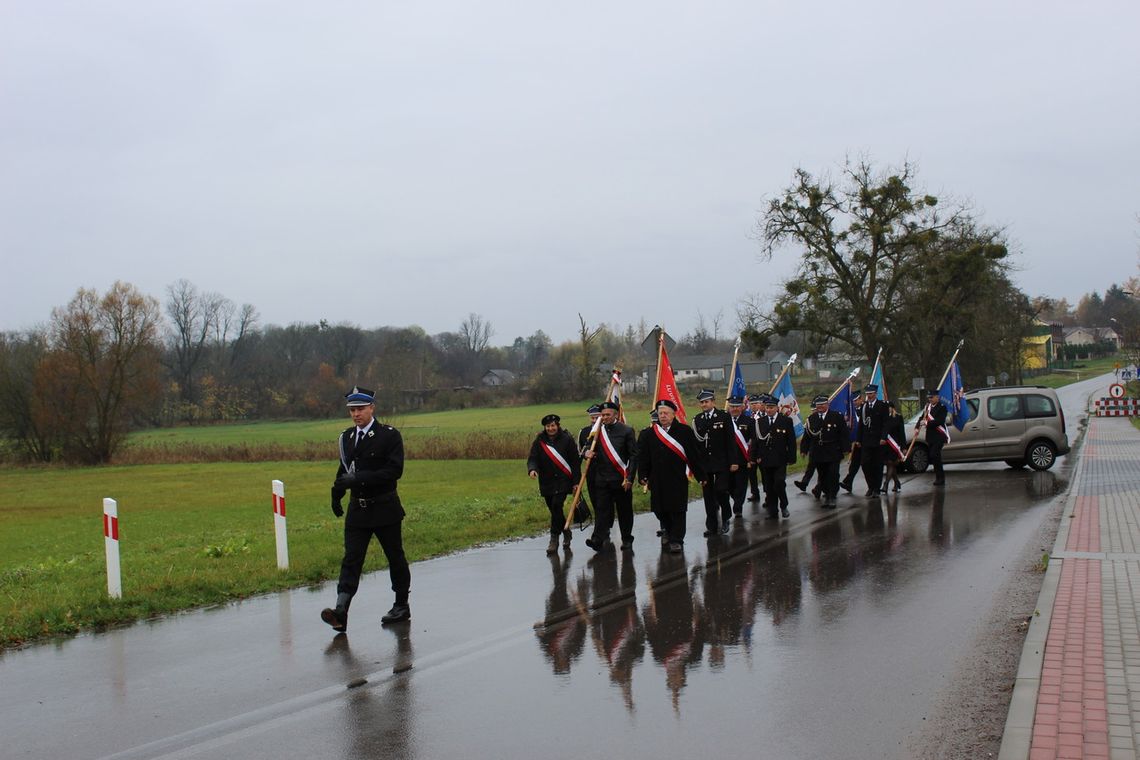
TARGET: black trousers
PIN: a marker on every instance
(738, 487)
(934, 452)
(356, 542)
(610, 499)
(673, 524)
(753, 483)
(809, 473)
(828, 478)
(718, 506)
(873, 466)
(775, 487)
(555, 502)
(853, 465)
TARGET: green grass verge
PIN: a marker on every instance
(1082, 370)
(202, 534)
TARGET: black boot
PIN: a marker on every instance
(400, 611)
(337, 616)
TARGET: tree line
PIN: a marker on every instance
(881, 265)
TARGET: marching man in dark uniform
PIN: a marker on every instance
(554, 461)
(614, 467)
(773, 449)
(872, 432)
(719, 457)
(937, 434)
(670, 451)
(854, 464)
(754, 410)
(742, 440)
(371, 461)
(826, 440)
(595, 411)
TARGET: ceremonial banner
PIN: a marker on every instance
(843, 401)
(878, 379)
(951, 393)
(788, 403)
(667, 384)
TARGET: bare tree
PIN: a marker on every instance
(103, 365)
(476, 334)
(195, 318)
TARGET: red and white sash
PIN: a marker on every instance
(672, 443)
(740, 442)
(895, 447)
(941, 428)
(557, 458)
(612, 455)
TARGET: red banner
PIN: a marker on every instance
(667, 385)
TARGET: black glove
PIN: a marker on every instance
(337, 510)
(347, 481)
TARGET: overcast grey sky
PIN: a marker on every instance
(395, 163)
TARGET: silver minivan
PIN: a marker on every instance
(1019, 425)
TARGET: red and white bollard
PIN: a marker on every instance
(279, 525)
(111, 545)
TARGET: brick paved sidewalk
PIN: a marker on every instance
(1078, 688)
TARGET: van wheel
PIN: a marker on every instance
(1016, 464)
(919, 460)
(1041, 455)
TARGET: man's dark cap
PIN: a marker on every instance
(871, 389)
(610, 405)
(359, 396)
(594, 409)
(821, 399)
(705, 393)
(667, 402)
(736, 400)
(551, 418)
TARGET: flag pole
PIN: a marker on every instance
(586, 466)
(657, 380)
(732, 372)
(850, 377)
(787, 366)
(920, 422)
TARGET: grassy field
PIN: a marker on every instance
(194, 535)
(1081, 371)
(511, 419)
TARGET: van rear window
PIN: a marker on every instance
(1004, 407)
(1039, 406)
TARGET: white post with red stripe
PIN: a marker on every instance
(111, 545)
(279, 525)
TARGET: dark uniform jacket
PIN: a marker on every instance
(551, 479)
(583, 447)
(378, 463)
(872, 421)
(624, 441)
(826, 437)
(747, 427)
(938, 414)
(663, 471)
(774, 441)
(714, 434)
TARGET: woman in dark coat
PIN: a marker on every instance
(554, 462)
(895, 431)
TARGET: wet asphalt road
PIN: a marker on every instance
(826, 635)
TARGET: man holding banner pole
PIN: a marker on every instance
(614, 472)
(720, 459)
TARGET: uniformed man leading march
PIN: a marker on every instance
(371, 461)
